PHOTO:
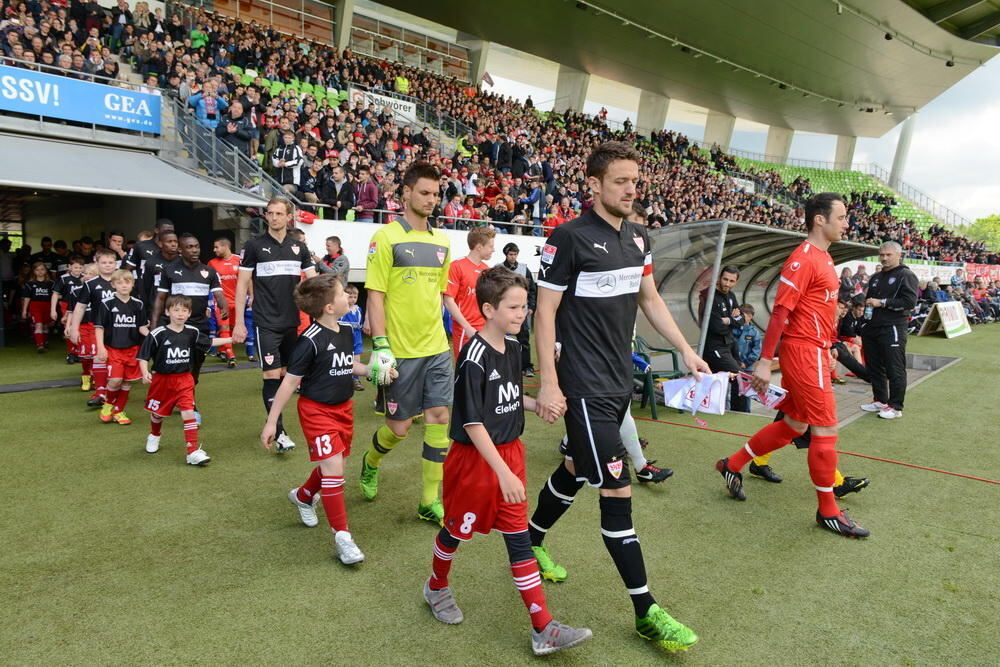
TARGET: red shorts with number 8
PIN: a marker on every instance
(473, 502)
(328, 428)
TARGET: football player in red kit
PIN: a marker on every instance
(484, 472)
(804, 320)
(323, 365)
(227, 265)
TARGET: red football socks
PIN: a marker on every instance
(155, 425)
(100, 372)
(86, 366)
(307, 491)
(822, 467)
(112, 398)
(39, 338)
(122, 399)
(441, 565)
(191, 434)
(332, 495)
(773, 436)
(529, 585)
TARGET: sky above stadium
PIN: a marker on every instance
(954, 155)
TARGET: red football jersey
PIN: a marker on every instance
(462, 277)
(808, 289)
(228, 270)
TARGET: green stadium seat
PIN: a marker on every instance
(236, 70)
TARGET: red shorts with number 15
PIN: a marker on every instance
(328, 428)
(473, 502)
(168, 391)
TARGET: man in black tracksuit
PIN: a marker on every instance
(892, 294)
(721, 351)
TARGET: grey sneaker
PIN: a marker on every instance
(442, 604)
(307, 511)
(557, 636)
(347, 550)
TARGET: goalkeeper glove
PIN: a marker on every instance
(382, 363)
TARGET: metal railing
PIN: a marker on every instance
(427, 114)
(367, 42)
(913, 195)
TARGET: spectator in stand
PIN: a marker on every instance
(338, 193)
(235, 128)
(365, 196)
(208, 105)
(287, 159)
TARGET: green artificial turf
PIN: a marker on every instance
(111, 555)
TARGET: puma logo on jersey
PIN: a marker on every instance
(178, 273)
(494, 375)
(543, 269)
(409, 251)
(267, 250)
(602, 246)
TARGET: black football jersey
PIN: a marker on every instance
(170, 352)
(121, 321)
(151, 276)
(93, 292)
(324, 359)
(277, 269)
(37, 290)
(67, 286)
(197, 282)
(488, 391)
(598, 269)
(139, 254)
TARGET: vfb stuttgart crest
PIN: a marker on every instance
(615, 467)
(441, 254)
(295, 249)
(204, 274)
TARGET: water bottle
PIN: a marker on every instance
(868, 312)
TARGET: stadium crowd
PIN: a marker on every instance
(513, 165)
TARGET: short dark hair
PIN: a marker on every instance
(226, 240)
(182, 300)
(747, 309)
(602, 156)
(114, 233)
(493, 284)
(730, 268)
(163, 222)
(418, 170)
(312, 295)
(46, 238)
(188, 236)
(165, 233)
(77, 259)
(820, 204)
(297, 234)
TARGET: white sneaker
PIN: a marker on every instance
(307, 511)
(890, 413)
(284, 443)
(198, 458)
(152, 443)
(874, 406)
(347, 550)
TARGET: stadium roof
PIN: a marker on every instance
(72, 167)
(849, 67)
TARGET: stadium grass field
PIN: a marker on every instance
(111, 555)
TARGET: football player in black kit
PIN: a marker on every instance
(595, 271)
(323, 365)
(120, 324)
(274, 263)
